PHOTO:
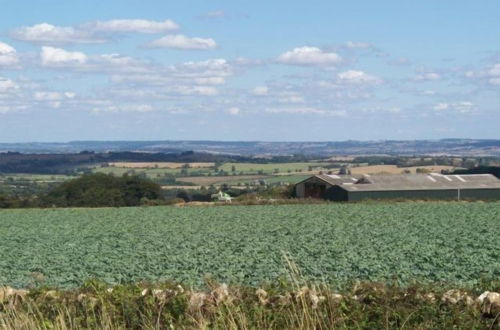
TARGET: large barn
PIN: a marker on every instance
(404, 186)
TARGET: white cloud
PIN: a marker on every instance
(194, 90)
(429, 92)
(441, 106)
(53, 96)
(210, 80)
(7, 85)
(260, 90)
(309, 56)
(462, 107)
(202, 69)
(50, 34)
(354, 44)
(233, 111)
(203, 73)
(106, 106)
(58, 57)
(308, 110)
(358, 77)
(495, 70)
(8, 55)
(214, 14)
(132, 25)
(91, 32)
(429, 76)
(495, 81)
(47, 96)
(179, 41)
(290, 97)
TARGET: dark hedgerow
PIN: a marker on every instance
(101, 190)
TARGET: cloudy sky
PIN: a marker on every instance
(249, 70)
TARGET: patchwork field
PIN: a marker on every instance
(159, 165)
(231, 179)
(272, 167)
(335, 243)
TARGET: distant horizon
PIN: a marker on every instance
(251, 141)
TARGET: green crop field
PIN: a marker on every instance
(335, 243)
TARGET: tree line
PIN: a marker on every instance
(92, 190)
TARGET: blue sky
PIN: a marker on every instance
(248, 70)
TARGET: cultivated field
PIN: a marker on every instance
(231, 179)
(272, 167)
(332, 243)
(159, 165)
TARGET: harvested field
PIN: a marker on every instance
(159, 165)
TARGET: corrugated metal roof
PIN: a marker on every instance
(431, 181)
(336, 179)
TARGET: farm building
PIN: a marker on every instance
(405, 186)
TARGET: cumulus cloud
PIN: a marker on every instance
(91, 32)
(358, 77)
(53, 99)
(208, 73)
(107, 106)
(494, 74)
(309, 56)
(210, 80)
(132, 25)
(52, 57)
(213, 14)
(307, 110)
(260, 90)
(233, 111)
(58, 57)
(8, 55)
(462, 107)
(49, 34)
(290, 97)
(355, 44)
(218, 67)
(53, 96)
(494, 81)
(194, 90)
(495, 70)
(7, 85)
(429, 76)
(441, 106)
(179, 41)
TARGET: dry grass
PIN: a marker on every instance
(159, 165)
(285, 305)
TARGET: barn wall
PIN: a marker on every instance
(450, 194)
(337, 194)
(300, 190)
(480, 194)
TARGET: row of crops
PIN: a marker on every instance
(334, 243)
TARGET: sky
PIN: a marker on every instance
(249, 70)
